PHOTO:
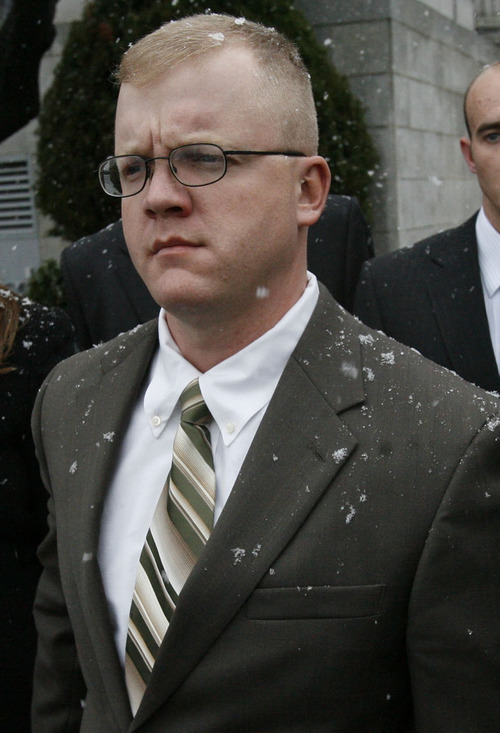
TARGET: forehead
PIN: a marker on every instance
(483, 99)
(215, 95)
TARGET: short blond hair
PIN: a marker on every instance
(284, 90)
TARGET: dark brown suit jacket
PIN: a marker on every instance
(351, 582)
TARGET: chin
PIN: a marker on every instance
(181, 301)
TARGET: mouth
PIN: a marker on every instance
(173, 244)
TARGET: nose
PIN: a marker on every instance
(163, 194)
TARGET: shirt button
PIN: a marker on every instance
(230, 427)
(156, 421)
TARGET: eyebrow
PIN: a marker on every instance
(129, 151)
(488, 126)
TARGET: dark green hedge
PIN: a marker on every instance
(46, 286)
(77, 116)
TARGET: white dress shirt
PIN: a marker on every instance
(237, 392)
(488, 243)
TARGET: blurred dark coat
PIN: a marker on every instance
(26, 33)
(44, 338)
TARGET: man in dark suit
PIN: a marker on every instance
(106, 296)
(441, 295)
(323, 555)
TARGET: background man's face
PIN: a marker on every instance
(482, 151)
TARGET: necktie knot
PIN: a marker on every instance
(194, 408)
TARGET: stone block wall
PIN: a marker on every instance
(410, 61)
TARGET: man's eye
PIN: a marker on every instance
(493, 137)
(132, 170)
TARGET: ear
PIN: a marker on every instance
(314, 185)
(465, 147)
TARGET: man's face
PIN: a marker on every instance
(482, 150)
(220, 247)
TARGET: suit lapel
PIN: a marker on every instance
(103, 412)
(293, 459)
(455, 289)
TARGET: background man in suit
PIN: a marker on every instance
(442, 296)
(106, 295)
(324, 553)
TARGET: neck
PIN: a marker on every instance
(492, 214)
(206, 338)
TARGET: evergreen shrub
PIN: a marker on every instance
(45, 285)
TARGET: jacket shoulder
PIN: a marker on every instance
(104, 243)
(414, 380)
(419, 255)
(93, 362)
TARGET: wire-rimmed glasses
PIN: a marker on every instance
(198, 164)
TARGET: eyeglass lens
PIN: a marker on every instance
(192, 165)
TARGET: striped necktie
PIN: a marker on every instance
(180, 528)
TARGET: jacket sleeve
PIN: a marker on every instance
(453, 633)
(59, 690)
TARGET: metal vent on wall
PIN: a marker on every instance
(17, 207)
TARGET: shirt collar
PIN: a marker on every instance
(488, 243)
(237, 388)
